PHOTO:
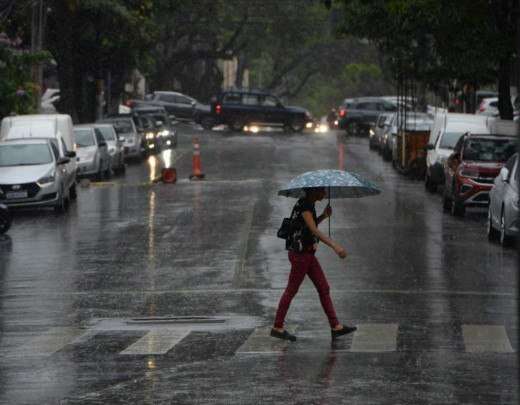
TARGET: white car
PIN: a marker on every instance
(446, 130)
(115, 146)
(92, 152)
(489, 106)
(32, 174)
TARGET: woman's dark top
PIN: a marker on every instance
(302, 239)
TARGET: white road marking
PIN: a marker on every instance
(486, 338)
(51, 341)
(260, 342)
(157, 342)
(375, 337)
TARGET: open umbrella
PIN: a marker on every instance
(338, 184)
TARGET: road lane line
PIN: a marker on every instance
(52, 340)
(486, 338)
(157, 342)
(375, 337)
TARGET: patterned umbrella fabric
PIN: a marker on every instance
(338, 184)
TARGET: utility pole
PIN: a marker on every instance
(37, 32)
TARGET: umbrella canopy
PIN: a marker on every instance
(338, 184)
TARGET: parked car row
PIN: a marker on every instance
(42, 157)
(470, 158)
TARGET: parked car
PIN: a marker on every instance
(115, 144)
(472, 168)
(5, 219)
(375, 138)
(93, 157)
(446, 130)
(489, 106)
(503, 220)
(240, 108)
(32, 174)
(126, 128)
(361, 113)
(56, 127)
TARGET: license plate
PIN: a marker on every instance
(13, 195)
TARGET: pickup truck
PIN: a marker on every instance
(240, 108)
(357, 115)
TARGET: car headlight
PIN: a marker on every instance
(164, 133)
(371, 132)
(150, 135)
(47, 179)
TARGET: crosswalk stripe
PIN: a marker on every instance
(486, 338)
(375, 337)
(259, 342)
(157, 342)
(51, 341)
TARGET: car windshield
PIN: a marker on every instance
(122, 126)
(25, 155)
(108, 133)
(489, 150)
(450, 139)
(84, 138)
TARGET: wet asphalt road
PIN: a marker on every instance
(156, 293)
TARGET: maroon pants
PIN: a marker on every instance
(305, 264)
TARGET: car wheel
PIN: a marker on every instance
(297, 126)
(505, 239)
(5, 220)
(62, 204)
(457, 208)
(73, 193)
(430, 187)
(207, 123)
(492, 233)
(237, 125)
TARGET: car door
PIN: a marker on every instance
(274, 111)
(509, 194)
(185, 106)
(68, 169)
(169, 102)
(252, 110)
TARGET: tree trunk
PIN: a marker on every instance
(505, 107)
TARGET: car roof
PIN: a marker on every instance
(245, 91)
(36, 141)
(83, 126)
(148, 109)
(102, 124)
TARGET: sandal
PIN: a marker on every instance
(283, 335)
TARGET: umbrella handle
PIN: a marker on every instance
(329, 216)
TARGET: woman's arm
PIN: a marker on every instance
(309, 221)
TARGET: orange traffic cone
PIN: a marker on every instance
(169, 175)
(197, 172)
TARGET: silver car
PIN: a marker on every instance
(503, 223)
(115, 144)
(92, 152)
(125, 127)
(32, 174)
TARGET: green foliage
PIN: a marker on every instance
(17, 91)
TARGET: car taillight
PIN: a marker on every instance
(129, 103)
(218, 108)
(481, 107)
(342, 113)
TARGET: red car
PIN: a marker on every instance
(472, 168)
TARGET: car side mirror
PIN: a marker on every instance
(63, 161)
(121, 139)
(102, 144)
(70, 154)
(504, 174)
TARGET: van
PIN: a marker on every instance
(56, 127)
(445, 132)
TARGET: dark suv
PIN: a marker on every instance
(358, 115)
(240, 108)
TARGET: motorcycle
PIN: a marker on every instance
(5, 219)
